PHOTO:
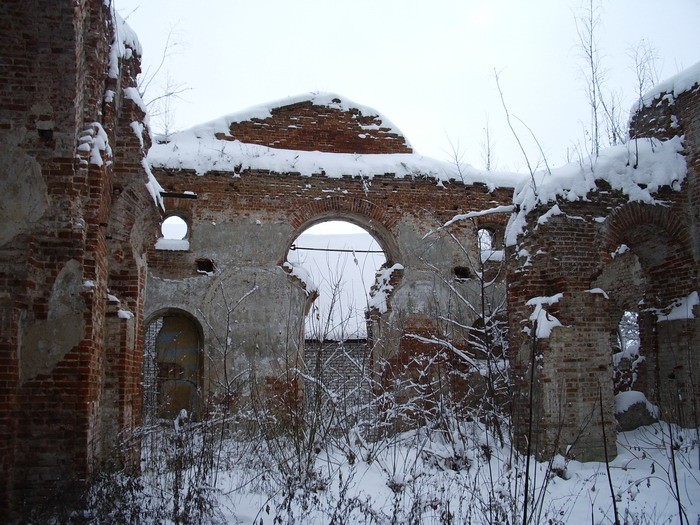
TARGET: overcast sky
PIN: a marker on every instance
(428, 66)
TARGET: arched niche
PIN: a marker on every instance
(172, 365)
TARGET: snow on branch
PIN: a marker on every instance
(445, 344)
(472, 215)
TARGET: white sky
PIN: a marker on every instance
(427, 66)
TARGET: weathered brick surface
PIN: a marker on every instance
(78, 248)
(572, 253)
(307, 126)
(54, 366)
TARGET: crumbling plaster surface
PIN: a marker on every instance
(47, 341)
(24, 195)
(428, 283)
(267, 324)
(248, 282)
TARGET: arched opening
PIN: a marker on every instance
(339, 260)
(486, 240)
(172, 366)
(344, 270)
(653, 241)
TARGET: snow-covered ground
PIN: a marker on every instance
(410, 481)
(464, 475)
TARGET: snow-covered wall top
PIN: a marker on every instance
(212, 147)
(202, 153)
(638, 169)
(674, 86)
(312, 122)
(317, 98)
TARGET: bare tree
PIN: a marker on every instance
(644, 63)
(159, 89)
(607, 125)
(531, 167)
(487, 145)
(587, 23)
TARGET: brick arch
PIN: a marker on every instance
(661, 241)
(132, 227)
(178, 310)
(197, 322)
(353, 205)
(378, 221)
(134, 211)
(363, 213)
(634, 214)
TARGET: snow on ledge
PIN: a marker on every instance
(124, 45)
(379, 295)
(93, 143)
(492, 256)
(659, 164)
(681, 308)
(545, 321)
(303, 275)
(125, 314)
(623, 248)
(554, 210)
(674, 86)
(203, 153)
(173, 245)
(624, 400)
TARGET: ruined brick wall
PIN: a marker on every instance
(244, 223)
(645, 257)
(667, 116)
(560, 257)
(308, 126)
(674, 343)
(56, 130)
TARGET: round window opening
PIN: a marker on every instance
(174, 227)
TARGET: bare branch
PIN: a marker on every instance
(515, 134)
